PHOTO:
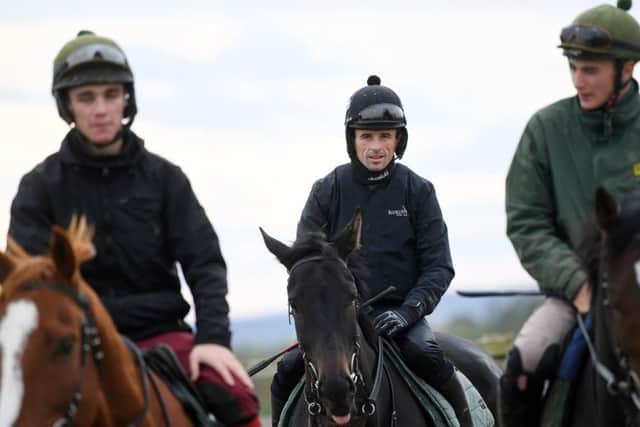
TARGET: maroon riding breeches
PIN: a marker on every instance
(235, 405)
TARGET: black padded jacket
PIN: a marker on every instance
(404, 236)
(147, 218)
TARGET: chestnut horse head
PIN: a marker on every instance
(63, 362)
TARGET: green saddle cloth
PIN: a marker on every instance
(435, 406)
(555, 412)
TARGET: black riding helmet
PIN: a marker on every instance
(375, 107)
(91, 59)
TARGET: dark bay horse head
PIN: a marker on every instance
(611, 253)
(620, 271)
(324, 297)
(63, 362)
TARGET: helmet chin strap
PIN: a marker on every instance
(619, 84)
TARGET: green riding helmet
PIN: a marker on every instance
(91, 59)
(603, 32)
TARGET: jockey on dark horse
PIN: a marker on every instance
(404, 239)
(146, 218)
(567, 150)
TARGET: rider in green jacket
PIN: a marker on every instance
(567, 150)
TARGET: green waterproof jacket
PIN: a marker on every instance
(564, 154)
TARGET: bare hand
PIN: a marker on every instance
(222, 360)
(582, 300)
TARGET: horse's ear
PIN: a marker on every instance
(61, 251)
(7, 264)
(349, 239)
(607, 209)
(279, 249)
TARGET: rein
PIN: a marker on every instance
(312, 396)
(90, 342)
(615, 385)
(627, 385)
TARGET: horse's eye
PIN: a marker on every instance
(64, 347)
(292, 307)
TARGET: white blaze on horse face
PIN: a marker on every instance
(637, 267)
(20, 319)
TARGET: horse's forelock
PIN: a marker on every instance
(316, 243)
(309, 243)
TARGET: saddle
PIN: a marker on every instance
(163, 362)
(434, 405)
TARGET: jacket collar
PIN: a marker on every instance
(72, 151)
(606, 122)
(364, 176)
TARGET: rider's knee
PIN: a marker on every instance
(428, 361)
(512, 379)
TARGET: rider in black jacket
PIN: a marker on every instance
(146, 217)
(138, 202)
(404, 239)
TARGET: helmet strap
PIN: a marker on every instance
(619, 84)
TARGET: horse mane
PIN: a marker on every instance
(78, 234)
(316, 243)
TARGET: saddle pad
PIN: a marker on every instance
(434, 404)
(557, 403)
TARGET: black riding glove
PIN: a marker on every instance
(392, 322)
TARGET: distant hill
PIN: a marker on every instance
(274, 330)
(271, 330)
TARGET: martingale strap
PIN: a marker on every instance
(144, 379)
(369, 407)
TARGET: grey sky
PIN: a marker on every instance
(249, 100)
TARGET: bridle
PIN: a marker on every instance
(627, 384)
(91, 346)
(312, 389)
